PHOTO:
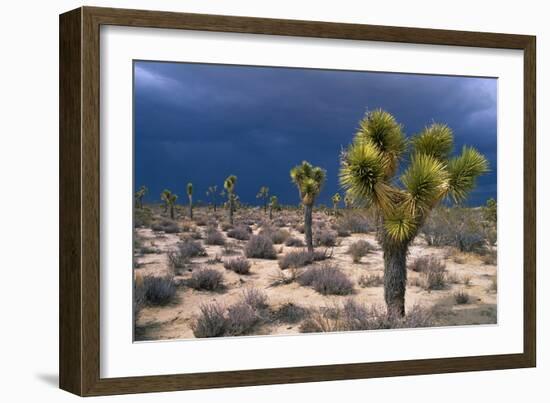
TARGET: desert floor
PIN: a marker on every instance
(174, 321)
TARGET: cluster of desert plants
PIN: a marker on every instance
(326, 280)
(292, 241)
(215, 320)
(360, 249)
(153, 290)
(290, 312)
(353, 316)
(432, 271)
(206, 279)
(297, 259)
(184, 252)
(260, 247)
(370, 280)
(240, 232)
(213, 237)
(239, 265)
(166, 226)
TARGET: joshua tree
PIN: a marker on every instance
(273, 205)
(190, 196)
(263, 194)
(169, 199)
(490, 210)
(229, 186)
(212, 193)
(367, 172)
(335, 200)
(139, 196)
(309, 181)
(348, 201)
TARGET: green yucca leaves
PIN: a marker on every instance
(463, 171)
(369, 164)
(426, 180)
(309, 180)
(229, 183)
(381, 129)
(435, 140)
(362, 167)
(189, 189)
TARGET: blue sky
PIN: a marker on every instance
(200, 123)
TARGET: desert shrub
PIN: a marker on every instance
(327, 280)
(426, 263)
(434, 279)
(158, 290)
(143, 217)
(325, 238)
(206, 279)
(461, 297)
(296, 259)
(211, 321)
(359, 249)
(354, 223)
(370, 280)
(471, 240)
(226, 226)
(279, 222)
(184, 252)
(300, 228)
(241, 232)
(467, 280)
(342, 232)
(214, 237)
(201, 221)
(294, 242)
(215, 260)
(255, 298)
(145, 250)
(354, 316)
(291, 313)
(492, 288)
(241, 319)
(166, 226)
(239, 265)
(261, 247)
(139, 296)
(279, 236)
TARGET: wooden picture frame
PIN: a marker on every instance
(79, 346)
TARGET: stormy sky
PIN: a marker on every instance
(200, 123)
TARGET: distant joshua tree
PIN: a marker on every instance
(309, 181)
(169, 199)
(367, 172)
(212, 193)
(264, 195)
(348, 201)
(139, 196)
(490, 210)
(229, 186)
(190, 197)
(335, 201)
(273, 205)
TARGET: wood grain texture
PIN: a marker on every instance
(80, 200)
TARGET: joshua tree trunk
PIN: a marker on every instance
(265, 207)
(395, 278)
(191, 208)
(231, 210)
(172, 211)
(270, 212)
(308, 210)
(214, 207)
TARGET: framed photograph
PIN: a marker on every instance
(249, 201)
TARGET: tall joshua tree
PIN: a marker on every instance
(273, 204)
(169, 199)
(335, 201)
(190, 197)
(309, 181)
(212, 193)
(229, 186)
(139, 196)
(368, 170)
(264, 195)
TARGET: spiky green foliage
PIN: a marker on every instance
(430, 177)
(169, 199)
(367, 173)
(336, 198)
(263, 194)
(273, 205)
(309, 180)
(139, 196)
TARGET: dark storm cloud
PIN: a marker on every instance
(200, 123)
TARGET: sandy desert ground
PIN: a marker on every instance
(465, 273)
